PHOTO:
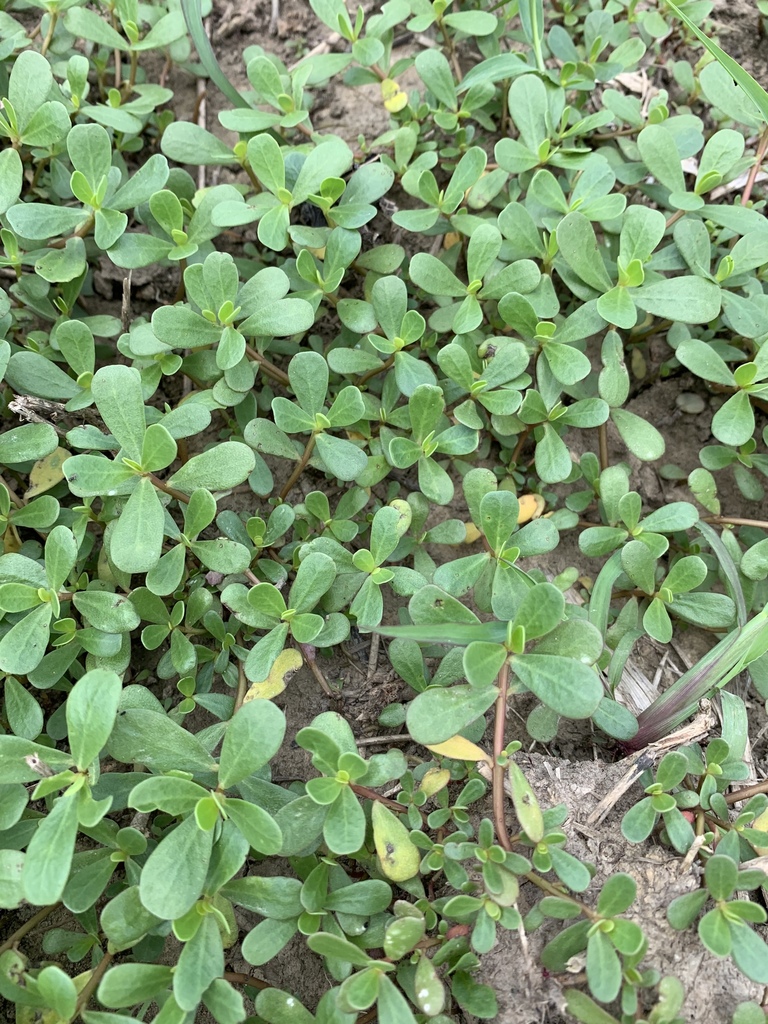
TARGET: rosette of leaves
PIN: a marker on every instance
(541, 832)
(370, 38)
(662, 800)
(30, 116)
(542, 137)
(548, 416)
(715, 769)
(493, 575)
(452, 103)
(726, 929)
(180, 225)
(104, 195)
(309, 376)
(315, 512)
(672, 595)
(215, 827)
(231, 312)
(331, 742)
(431, 436)
(436, 279)
(362, 574)
(263, 607)
(414, 544)
(558, 344)
(690, 298)
(321, 278)
(556, 670)
(743, 458)
(598, 53)
(734, 422)
(442, 203)
(277, 88)
(165, 622)
(257, 536)
(136, 538)
(288, 177)
(324, 897)
(612, 942)
(91, 710)
(495, 908)
(30, 600)
(492, 381)
(221, 555)
(401, 329)
(621, 510)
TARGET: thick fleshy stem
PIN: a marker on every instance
(27, 927)
(499, 820)
(300, 467)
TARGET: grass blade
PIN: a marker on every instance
(728, 566)
(532, 18)
(751, 87)
(193, 16)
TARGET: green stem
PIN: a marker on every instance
(161, 486)
(500, 721)
(386, 365)
(27, 927)
(52, 20)
(451, 50)
(300, 467)
(81, 232)
(242, 687)
(93, 981)
(181, 290)
(269, 368)
(127, 87)
(371, 794)
(553, 890)
(602, 439)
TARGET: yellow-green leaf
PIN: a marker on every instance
(399, 859)
(287, 662)
(47, 472)
(460, 749)
(394, 98)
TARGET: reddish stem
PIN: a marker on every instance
(754, 170)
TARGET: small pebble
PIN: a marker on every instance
(688, 401)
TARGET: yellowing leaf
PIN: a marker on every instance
(394, 98)
(399, 859)
(288, 661)
(47, 472)
(531, 507)
(435, 780)
(760, 824)
(11, 541)
(460, 749)
(526, 805)
(450, 239)
(472, 533)
(638, 364)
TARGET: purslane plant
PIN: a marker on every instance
(321, 428)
